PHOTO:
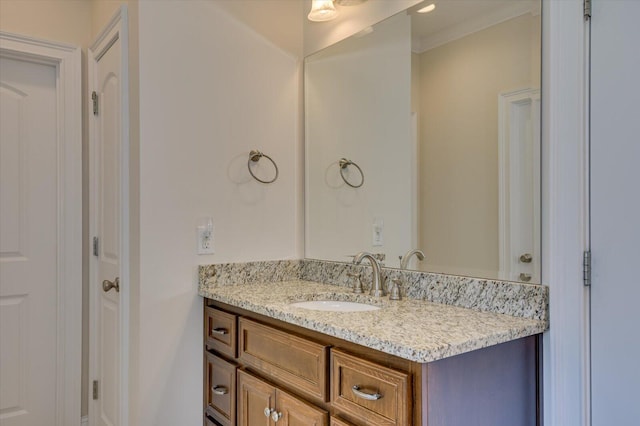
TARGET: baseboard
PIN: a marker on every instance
(84, 421)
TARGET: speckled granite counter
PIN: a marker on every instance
(417, 330)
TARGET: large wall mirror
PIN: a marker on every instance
(423, 132)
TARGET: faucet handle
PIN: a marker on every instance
(357, 286)
(394, 294)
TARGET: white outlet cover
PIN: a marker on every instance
(204, 240)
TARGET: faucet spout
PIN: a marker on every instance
(404, 260)
(376, 285)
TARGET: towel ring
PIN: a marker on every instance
(344, 163)
(254, 156)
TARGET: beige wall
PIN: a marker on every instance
(67, 21)
(458, 95)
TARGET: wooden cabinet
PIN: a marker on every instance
(220, 331)
(261, 371)
(220, 389)
(336, 421)
(369, 391)
(285, 358)
(260, 403)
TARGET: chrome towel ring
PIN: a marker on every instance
(254, 157)
(344, 163)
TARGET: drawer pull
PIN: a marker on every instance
(368, 396)
(219, 331)
(220, 390)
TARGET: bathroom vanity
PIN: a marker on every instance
(410, 362)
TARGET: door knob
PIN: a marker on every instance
(526, 258)
(108, 285)
(525, 277)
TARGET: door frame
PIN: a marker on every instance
(117, 28)
(565, 211)
(66, 59)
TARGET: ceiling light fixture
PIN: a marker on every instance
(322, 10)
(427, 9)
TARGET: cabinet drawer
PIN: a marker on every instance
(291, 361)
(375, 394)
(220, 389)
(220, 331)
(209, 422)
(335, 421)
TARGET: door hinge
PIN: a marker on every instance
(94, 98)
(586, 268)
(95, 246)
(587, 10)
(95, 389)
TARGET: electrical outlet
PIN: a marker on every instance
(204, 240)
(378, 234)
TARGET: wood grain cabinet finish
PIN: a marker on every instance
(302, 375)
(336, 421)
(220, 331)
(260, 403)
(369, 392)
(285, 358)
(220, 390)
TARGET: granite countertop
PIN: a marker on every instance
(417, 330)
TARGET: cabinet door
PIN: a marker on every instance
(292, 411)
(220, 389)
(256, 399)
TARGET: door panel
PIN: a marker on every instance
(28, 243)
(615, 209)
(298, 413)
(107, 145)
(254, 396)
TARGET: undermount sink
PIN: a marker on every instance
(335, 306)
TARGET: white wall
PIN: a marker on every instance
(370, 127)
(211, 89)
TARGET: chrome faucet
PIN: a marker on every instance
(404, 260)
(376, 285)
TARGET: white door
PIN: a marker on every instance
(519, 186)
(615, 212)
(106, 196)
(40, 232)
(28, 240)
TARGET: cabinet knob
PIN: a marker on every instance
(267, 412)
(276, 415)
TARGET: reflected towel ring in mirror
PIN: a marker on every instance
(344, 163)
(254, 156)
